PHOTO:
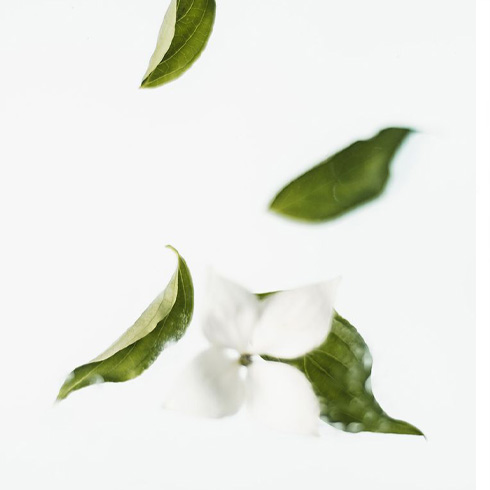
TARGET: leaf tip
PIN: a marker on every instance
(418, 432)
(273, 203)
(407, 429)
(66, 387)
(63, 393)
(407, 131)
(144, 83)
(173, 249)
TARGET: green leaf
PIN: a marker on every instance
(340, 371)
(163, 322)
(183, 36)
(349, 178)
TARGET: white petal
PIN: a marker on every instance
(295, 322)
(231, 314)
(280, 396)
(211, 386)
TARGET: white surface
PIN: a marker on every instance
(288, 324)
(483, 243)
(98, 176)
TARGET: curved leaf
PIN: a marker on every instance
(183, 36)
(340, 373)
(164, 321)
(343, 181)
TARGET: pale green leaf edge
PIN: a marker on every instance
(165, 36)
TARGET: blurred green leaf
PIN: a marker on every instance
(183, 36)
(343, 181)
(163, 322)
(340, 373)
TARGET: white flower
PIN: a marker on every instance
(231, 373)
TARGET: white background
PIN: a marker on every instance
(97, 176)
(483, 242)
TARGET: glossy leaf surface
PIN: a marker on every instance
(163, 322)
(343, 181)
(183, 36)
(340, 371)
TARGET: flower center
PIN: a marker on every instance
(245, 360)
